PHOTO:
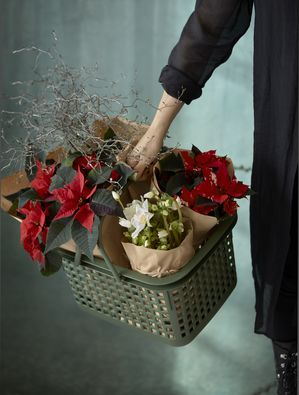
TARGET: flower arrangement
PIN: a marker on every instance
(204, 181)
(66, 201)
(155, 221)
(158, 240)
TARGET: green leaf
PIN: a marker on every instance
(172, 162)
(99, 176)
(198, 180)
(52, 265)
(68, 161)
(103, 203)
(175, 183)
(30, 194)
(13, 208)
(16, 195)
(250, 192)
(63, 176)
(59, 233)
(109, 134)
(126, 172)
(85, 240)
(195, 150)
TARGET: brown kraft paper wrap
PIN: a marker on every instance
(160, 263)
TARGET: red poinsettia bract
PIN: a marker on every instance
(217, 187)
(32, 227)
(72, 198)
(220, 188)
(43, 178)
(87, 162)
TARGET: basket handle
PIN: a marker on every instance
(115, 273)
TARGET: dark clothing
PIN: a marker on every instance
(207, 41)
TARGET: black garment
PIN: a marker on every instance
(207, 41)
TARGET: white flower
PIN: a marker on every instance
(115, 195)
(165, 213)
(129, 212)
(141, 218)
(162, 233)
(149, 195)
(177, 203)
(146, 243)
(125, 223)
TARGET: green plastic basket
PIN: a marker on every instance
(173, 309)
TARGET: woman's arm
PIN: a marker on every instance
(149, 145)
(207, 41)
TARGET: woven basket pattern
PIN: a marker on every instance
(175, 313)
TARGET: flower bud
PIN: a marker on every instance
(115, 195)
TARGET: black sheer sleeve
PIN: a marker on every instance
(206, 41)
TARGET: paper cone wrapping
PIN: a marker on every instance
(160, 263)
(202, 224)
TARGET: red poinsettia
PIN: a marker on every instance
(31, 228)
(201, 160)
(217, 187)
(115, 175)
(87, 162)
(73, 199)
(220, 188)
(42, 180)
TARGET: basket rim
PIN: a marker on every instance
(172, 280)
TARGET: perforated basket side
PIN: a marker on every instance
(175, 314)
(198, 300)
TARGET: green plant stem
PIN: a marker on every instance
(179, 210)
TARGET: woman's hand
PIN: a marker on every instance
(145, 151)
(147, 148)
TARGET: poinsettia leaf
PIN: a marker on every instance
(30, 194)
(85, 240)
(63, 176)
(202, 200)
(196, 181)
(59, 233)
(250, 192)
(103, 203)
(195, 150)
(68, 161)
(16, 195)
(13, 208)
(53, 209)
(52, 264)
(125, 171)
(172, 162)
(175, 183)
(99, 176)
(109, 134)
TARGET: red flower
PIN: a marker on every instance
(232, 187)
(88, 162)
(188, 196)
(188, 160)
(209, 188)
(42, 180)
(230, 206)
(115, 175)
(73, 198)
(209, 159)
(31, 227)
